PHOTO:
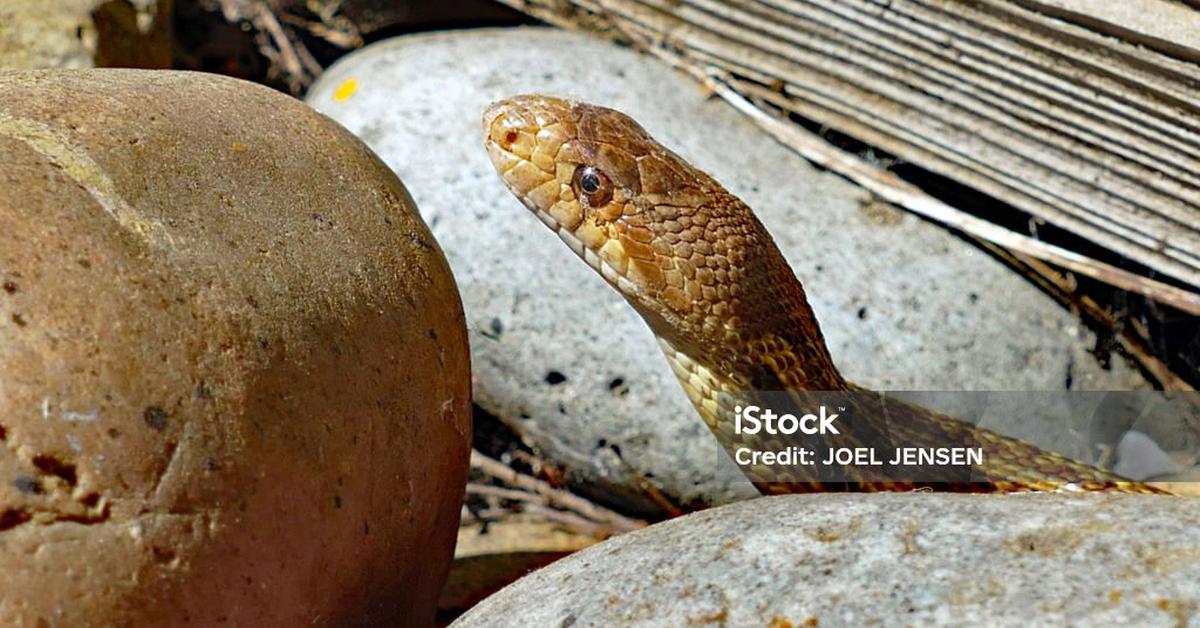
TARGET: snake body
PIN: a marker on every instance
(727, 310)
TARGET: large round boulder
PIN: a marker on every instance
(234, 380)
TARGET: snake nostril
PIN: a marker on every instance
(510, 138)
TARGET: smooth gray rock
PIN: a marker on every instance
(904, 304)
(882, 559)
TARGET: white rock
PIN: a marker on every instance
(1140, 458)
(904, 305)
(883, 559)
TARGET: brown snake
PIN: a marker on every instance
(705, 275)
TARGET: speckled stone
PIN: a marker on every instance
(883, 559)
(562, 358)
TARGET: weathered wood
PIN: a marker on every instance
(890, 187)
(1049, 105)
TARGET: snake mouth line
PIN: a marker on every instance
(593, 259)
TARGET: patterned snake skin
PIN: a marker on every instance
(727, 310)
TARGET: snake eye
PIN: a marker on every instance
(592, 185)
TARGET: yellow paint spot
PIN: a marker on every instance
(239, 147)
(345, 90)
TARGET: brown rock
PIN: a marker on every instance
(233, 367)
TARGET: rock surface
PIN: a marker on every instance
(85, 33)
(884, 559)
(234, 368)
(560, 356)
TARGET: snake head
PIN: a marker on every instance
(665, 234)
(690, 257)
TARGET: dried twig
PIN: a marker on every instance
(297, 68)
(660, 499)
(1063, 288)
(289, 57)
(573, 521)
(574, 505)
(328, 25)
(475, 488)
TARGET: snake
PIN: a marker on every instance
(726, 308)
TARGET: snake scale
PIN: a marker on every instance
(728, 312)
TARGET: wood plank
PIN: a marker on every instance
(1167, 25)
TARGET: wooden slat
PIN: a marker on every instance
(1166, 25)
(1044, 104)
